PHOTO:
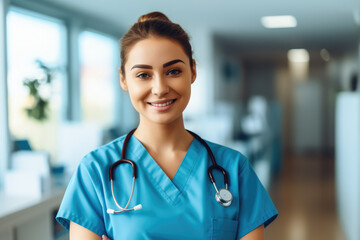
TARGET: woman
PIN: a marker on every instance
(172, 183)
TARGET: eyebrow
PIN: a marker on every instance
(172, 62)
(164, 65)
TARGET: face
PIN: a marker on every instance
(158, 77)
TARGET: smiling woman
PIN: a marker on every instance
(172, 166)
(159, 78)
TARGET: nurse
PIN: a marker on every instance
(172, 183)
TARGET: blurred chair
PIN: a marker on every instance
(22, 145)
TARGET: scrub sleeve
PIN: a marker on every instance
(256, 206)
(79, 204)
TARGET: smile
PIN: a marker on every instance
(163, 104)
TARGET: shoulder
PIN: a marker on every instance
(227, 156)
(105, 154)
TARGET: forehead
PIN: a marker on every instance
(155, 51)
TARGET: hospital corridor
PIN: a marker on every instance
(305, 194)
(228, 116)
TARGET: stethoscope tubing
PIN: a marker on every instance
(215, 165)
(222, 196)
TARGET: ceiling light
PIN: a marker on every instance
(298, 55)
(285, 21)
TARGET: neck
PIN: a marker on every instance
(158, 137)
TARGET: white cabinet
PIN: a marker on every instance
(347, 165)
(23, 218)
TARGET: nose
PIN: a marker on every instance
(160, 86)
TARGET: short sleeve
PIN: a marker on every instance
(256, 206)
(81, 202)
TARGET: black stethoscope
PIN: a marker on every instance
(222, 196)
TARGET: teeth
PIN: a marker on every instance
(162, 104)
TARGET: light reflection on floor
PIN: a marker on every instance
(304, 195)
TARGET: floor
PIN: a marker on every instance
(304, 195)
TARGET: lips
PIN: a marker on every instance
(162, 106)
(163, 103)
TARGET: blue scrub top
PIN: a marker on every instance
(184, 208)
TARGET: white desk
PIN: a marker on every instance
(24, 218)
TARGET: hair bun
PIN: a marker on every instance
(153, 16)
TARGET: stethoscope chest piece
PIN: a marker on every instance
(224, 197)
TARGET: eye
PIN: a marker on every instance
(174, 72)
(142, 75)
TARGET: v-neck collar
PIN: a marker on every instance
(170, 189)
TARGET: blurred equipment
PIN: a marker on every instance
(29, 174)
(256, 128)
(22, 145)
(347, 164)
(75, 141)
(221, 126)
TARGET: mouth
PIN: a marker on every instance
(162, 103)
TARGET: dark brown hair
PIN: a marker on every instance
(154, 24)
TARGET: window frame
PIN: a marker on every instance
(4, 125)
(74, 23)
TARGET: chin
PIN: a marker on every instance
(165, 120)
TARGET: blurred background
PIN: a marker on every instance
(277, 81)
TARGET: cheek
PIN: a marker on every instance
(188, 95)
(184, 90)
(137, 91)
(184, 87)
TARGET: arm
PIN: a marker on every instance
(79, 232)
(256, 234)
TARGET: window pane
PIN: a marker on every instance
(98, 82)
(34, 38)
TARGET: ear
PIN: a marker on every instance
(123, 83)
(193, 72)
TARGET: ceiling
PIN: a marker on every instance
(333, 24)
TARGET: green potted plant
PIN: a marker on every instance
(38, 108)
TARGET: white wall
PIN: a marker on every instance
(202, 95)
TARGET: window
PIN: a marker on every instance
(32, 37)
(98, 78)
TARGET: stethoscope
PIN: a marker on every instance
(222, 196)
